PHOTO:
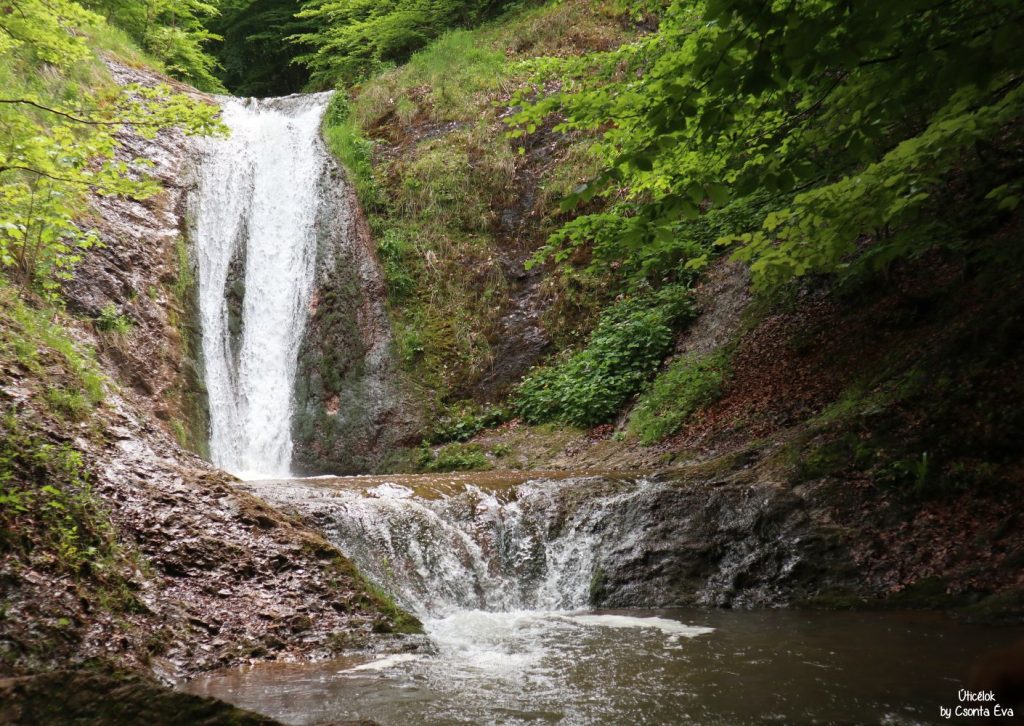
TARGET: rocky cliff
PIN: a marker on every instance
(351, 406)
(121, 548)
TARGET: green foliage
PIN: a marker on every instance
(30, 334)
(111, 320)
(852, 118)
(44, 489)
(172, 31)
(630, 341)
(454, 457)
(255, 53)
(444, 188)
(67, 404)
(683, 388)
(347, 142)
(462, 423)
(58, 138)
(353, 38)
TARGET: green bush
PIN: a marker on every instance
(464, 423)
(455, 457)
(110, 320)
(629, 343)
(683, 388)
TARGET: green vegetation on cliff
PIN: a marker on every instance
(809, 140)
(454, 208)
(59, 117)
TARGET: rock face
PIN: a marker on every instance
(75, 697)
(350, 404)
(724, 544)
(143, 273)
(219, 577)
(210, 576)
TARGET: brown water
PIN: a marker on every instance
(636, 667)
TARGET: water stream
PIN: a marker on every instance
(505, 570)
(254, 216)
(501, 568)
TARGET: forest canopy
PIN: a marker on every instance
(878, 130)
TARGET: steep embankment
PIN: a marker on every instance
(884, 406)
(120, 548)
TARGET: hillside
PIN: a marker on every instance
(724, 298)
(126, 562)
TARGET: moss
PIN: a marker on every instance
(106, 695)
(192, 431)
(1005, 607)
(394, 619)
(598, 587)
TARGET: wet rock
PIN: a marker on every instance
(77, 697)
(608, 541)
(351, 408)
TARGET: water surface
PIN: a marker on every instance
(635, 667)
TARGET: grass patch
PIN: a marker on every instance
(34, 336)
(455, 457)
(683, 388)
(354, 150)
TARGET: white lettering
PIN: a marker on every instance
(973, 711)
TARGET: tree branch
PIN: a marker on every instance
(37, 172)
(78, 119)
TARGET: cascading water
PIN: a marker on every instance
(503, 568)
(254, 226)
(505, 550)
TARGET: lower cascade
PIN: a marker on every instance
(497, 549)
(570, 599)
(254, 217)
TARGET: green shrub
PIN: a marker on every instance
(110, 320)
(683, 388)
(455, 457)
(629, 343)
(461, 424)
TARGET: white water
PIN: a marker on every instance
(504, 550)
(499, 567)
(501, 577)
(257, 199)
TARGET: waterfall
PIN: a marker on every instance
(253, 222)
(541, 545)
(506, 542)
